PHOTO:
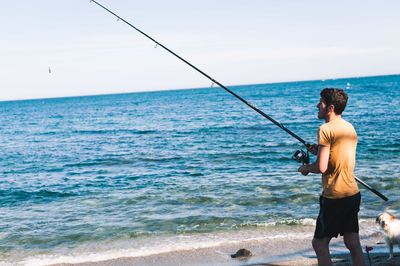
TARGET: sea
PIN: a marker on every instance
(102, 177)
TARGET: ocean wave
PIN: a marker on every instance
(114, 131)
(121, 161)
(18, 196)
(280, 223)
(105, 161)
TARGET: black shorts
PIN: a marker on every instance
(337, 216)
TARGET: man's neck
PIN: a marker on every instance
(332, 116)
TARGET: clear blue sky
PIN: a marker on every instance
(234, 41)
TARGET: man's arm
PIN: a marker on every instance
(320, 165)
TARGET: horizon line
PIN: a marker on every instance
(179, 89)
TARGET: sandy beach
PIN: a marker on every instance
(264, 252)
(205, 257)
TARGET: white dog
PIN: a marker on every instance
(391, 230)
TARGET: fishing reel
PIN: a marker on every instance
(301, 157)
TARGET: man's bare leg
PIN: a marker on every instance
(352, 242)
(321, 247)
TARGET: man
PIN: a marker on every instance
(340, 200)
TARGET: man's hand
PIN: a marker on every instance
(303, 170)
(313, 148)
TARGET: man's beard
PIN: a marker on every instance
(323, 115)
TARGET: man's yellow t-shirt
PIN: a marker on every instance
(338, 180)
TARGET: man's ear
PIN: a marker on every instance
(331, 108)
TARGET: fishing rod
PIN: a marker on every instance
(299, 156)
(207, 76)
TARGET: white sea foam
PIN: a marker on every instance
(299, 222)
(3, 235)
(102, 255)
(90, 202)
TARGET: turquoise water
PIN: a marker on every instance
(80, 173)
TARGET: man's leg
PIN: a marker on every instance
(352, 242)
(321, 247)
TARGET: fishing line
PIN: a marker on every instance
(299, 156)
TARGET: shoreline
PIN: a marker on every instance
(265, 251)
(200, 257)
(284, 245)
(205, 257)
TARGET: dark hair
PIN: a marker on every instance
(335, 97)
